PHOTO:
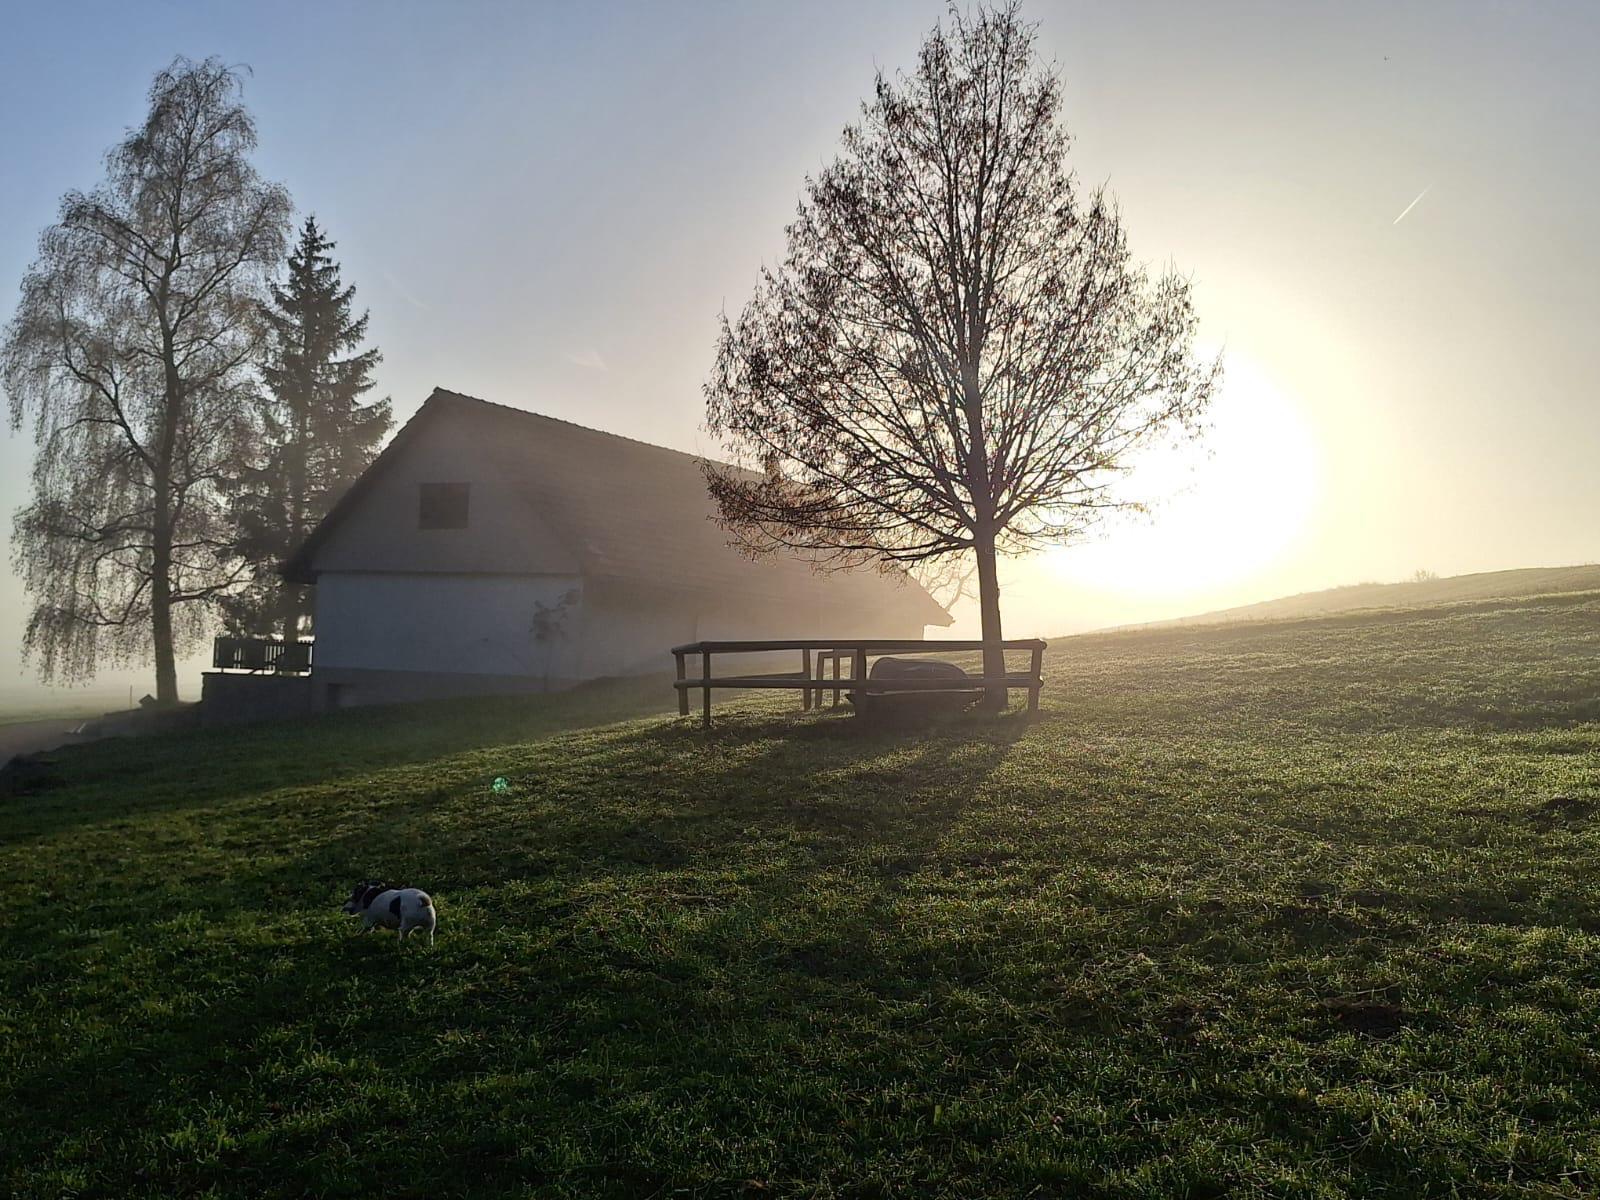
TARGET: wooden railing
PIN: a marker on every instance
(261, 654)
(836, 651)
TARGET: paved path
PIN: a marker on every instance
(30, 737)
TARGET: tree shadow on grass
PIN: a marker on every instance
(617, 901)
(630, 803)
(659, 940)
(665, 797)
(120, 778)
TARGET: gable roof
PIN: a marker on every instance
(632, 513)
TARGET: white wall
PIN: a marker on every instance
(806, 617)
(504, 535)
(625, 635)
(456, 624)
(632, 638)
(460, 624)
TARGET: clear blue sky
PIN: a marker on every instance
(547, 205)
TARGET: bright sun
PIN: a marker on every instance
(1219, 514)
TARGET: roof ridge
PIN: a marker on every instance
(539, 416)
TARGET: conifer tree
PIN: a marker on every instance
(316, 435)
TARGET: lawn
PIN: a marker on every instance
(1297, 909)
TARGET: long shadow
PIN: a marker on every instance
(672, 790)
(125, 777)
(875, 800)
(670, 796)
(552, 958)
(882, 788)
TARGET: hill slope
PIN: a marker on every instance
(1487, 585)
(1300, 909)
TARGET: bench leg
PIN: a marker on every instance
(805, 669)
(683, 692)
(836, 679)
(705, 692)
(1038, 678)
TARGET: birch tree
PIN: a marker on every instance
(129, 356)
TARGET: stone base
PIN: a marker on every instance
(228, 698)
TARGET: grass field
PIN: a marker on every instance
(1301, 909)
(1411, 593)
(21, 705)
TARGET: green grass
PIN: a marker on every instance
(1412, 593)
(1293, 910)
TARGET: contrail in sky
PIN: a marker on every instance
(403, 294)
(1412, 205)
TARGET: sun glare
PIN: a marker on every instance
(1222, 512)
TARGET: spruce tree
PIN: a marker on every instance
(315, 434)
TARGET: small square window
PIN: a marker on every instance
(443, 505)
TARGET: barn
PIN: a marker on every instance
(492, 549)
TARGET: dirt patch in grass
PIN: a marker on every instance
(1562, 809)
(1370, 1017)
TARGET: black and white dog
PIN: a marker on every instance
(404, 909)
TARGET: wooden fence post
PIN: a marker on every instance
(705, 689)
(683, 692)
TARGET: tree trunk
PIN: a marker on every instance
(297, 611)
(299, 471)
(161, 605)
(995, 699)
(166, 665)
(162, 531)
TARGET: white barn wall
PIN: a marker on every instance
(503, 535)
(805, 617)
(617, 636)
(623, 635)
(385, 637)
(405, 613)
(440, 624)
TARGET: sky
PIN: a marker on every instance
(548, 205)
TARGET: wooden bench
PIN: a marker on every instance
(837, 650)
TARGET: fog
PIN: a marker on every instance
(1386, 213)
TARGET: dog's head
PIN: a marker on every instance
(363, 894)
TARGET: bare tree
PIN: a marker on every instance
(958, 354)
(129, 353)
